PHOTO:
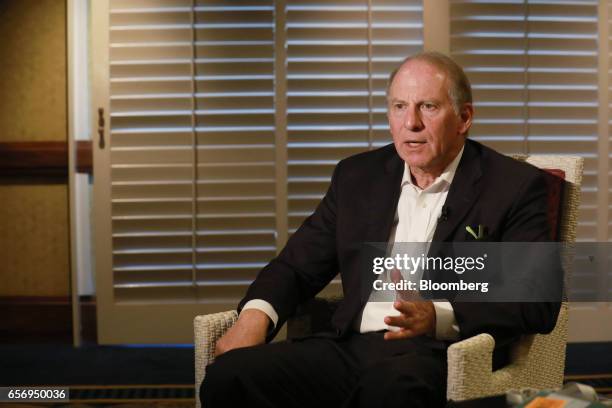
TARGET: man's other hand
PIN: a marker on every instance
(416, 318)
(250, 330)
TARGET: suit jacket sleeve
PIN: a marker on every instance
(306, 264)
(505, 321)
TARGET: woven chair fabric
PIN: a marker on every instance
(207, 330)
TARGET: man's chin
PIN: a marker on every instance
(415, 160)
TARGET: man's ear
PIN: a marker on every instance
(466, 116)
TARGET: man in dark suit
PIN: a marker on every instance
(426, 187)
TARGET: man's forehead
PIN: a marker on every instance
(413, 72)
(418, 76)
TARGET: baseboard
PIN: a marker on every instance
(44, 319)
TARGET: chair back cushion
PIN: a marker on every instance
(554, 183)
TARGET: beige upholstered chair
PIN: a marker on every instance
(537, 361)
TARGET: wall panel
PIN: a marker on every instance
(33, 218)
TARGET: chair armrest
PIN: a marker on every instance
(470, 365)
(536, 361)
(207, 330)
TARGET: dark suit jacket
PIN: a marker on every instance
(507, 196)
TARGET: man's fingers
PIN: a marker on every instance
(405, 307)
(398, 335)
(399, 321)
(406, 318)
(415, 318)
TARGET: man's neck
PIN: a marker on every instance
(423, 179)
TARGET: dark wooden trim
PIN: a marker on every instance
(44, 319)
(22, 159)
(42, 159)
(84, 159)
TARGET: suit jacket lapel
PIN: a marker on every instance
(383, 198)
(463, 192)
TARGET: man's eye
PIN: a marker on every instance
(428, 106)
(399, 106)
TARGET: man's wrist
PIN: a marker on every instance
(255, 318)
(262, 306)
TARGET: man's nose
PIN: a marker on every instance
(412, 119)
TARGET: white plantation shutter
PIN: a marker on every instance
(194, 154)
(339, 55)
(534, 70)
(192, 146)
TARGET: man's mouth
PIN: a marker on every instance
(414, 143)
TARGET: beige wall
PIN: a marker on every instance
(34, 242)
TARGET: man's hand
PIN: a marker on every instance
(416, 318)
(250, 330)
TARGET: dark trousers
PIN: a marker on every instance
(362, 370)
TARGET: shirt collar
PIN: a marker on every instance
(447, 175)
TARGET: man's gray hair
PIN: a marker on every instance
(459, 90)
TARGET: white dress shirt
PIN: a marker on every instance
(418, 211)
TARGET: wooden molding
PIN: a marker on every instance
(42, 159)
(84, 159)
(44, 319)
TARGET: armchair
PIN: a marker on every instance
(537, 361)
